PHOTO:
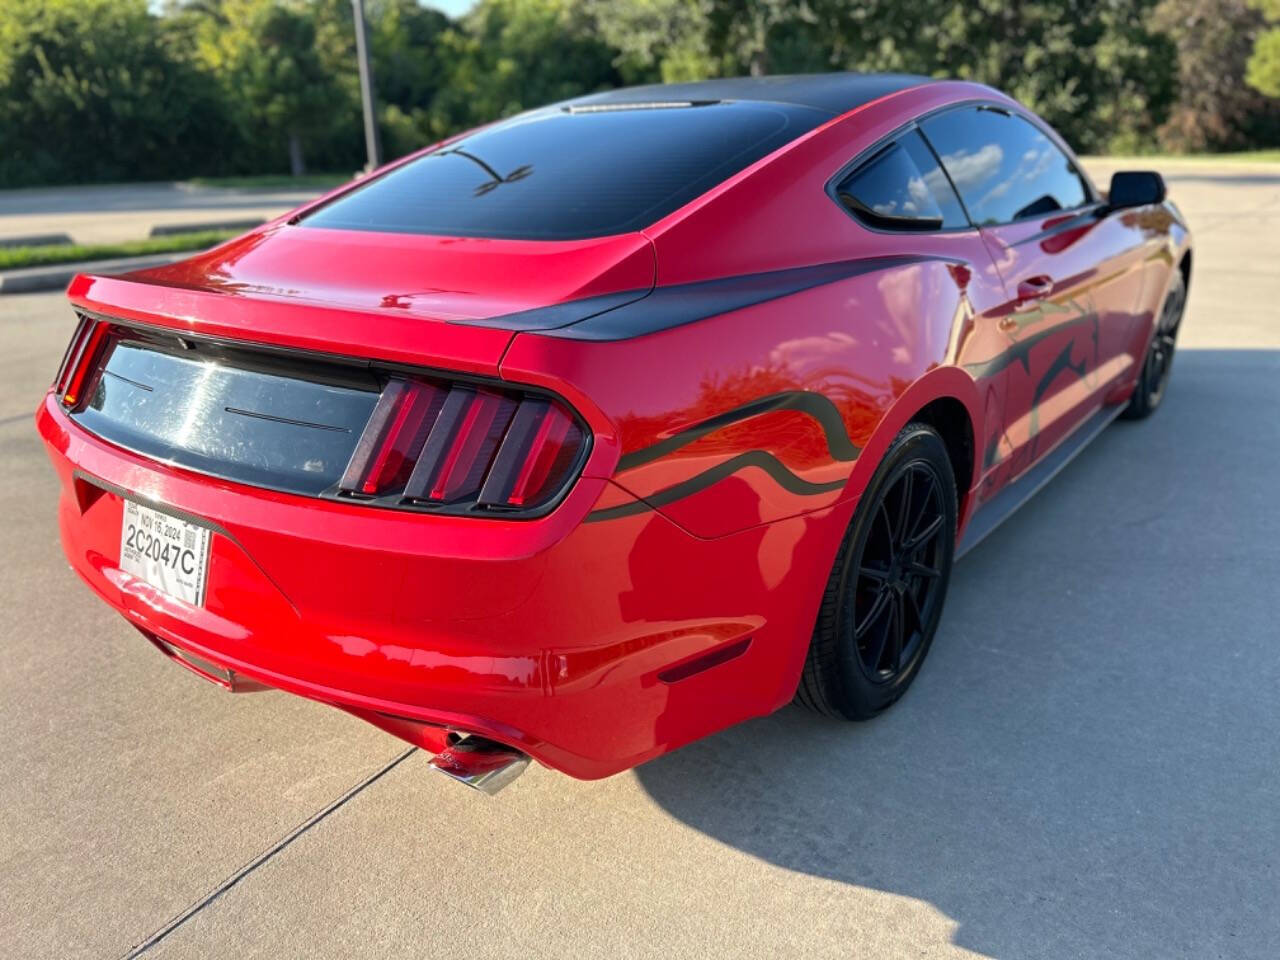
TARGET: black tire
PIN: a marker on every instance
(1157, 363)
(877, 569)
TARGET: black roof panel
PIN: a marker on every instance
(833, 92)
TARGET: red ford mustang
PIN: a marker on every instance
(593, 431)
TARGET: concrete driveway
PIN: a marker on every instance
(1088, 766)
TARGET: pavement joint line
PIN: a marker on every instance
(266, 855)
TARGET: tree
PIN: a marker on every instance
(132, 89)
(509, 55)
(94, 90)
(265, 54)
(412, 64)
(1263, 72)
(1215, 109)
(1094, 70)
(655, 40)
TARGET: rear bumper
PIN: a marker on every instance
(551, 635)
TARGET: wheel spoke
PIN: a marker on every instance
(904, 507)
(925, 535)
(923, 570)
(875, 573)
(877, 647)
(912, 607)
(922, 513)
(897, 633)
(877, 608)
(883, 513)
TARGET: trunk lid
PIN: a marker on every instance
(422, 300)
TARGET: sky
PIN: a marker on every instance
(453, 8)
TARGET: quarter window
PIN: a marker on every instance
(1005, 168)
(902, 188)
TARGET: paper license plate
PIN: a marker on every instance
(170, 554)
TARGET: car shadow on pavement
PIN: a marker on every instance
(1089, 763)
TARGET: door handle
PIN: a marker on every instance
(1035, 288)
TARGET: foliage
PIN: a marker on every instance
(509, 55)
(1034, 51)
(656, 40)
(1264, 64)
(95, 90)
(1215, 109)
(267, 57)
(410, 70)
(92, 90)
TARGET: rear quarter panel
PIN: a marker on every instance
(693, 437)
(886, 336)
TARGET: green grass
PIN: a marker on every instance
(15, 258)
(275, 181)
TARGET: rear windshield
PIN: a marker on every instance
(553, 174)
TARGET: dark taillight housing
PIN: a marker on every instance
(411, 440)
(440, 444)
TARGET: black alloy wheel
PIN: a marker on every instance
(884, 598)
(899, 572)
(1157, 365)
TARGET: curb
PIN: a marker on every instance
(56, 277)
(169, 229)
(35, 240)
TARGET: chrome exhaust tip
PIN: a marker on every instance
(480, 764)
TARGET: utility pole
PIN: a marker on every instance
(372, 146)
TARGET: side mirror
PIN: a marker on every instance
(1135, 188)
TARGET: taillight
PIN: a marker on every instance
(540, 446)
(395, 433)
(73, 348)
(331, 428)
(80, 362)
(432, 444)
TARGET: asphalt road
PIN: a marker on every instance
(118, 212)
(1088, 766)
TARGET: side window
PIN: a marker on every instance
(1003, 166)
(902, 188)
